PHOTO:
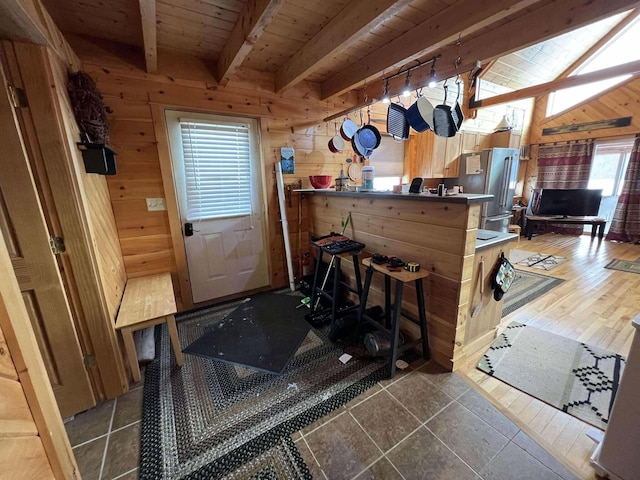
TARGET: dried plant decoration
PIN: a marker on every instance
(88, 107)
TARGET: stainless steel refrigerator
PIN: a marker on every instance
(493, 171)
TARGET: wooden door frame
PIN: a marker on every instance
(171, 196)
(69, 201)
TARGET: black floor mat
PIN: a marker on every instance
(262, 333)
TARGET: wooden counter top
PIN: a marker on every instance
(463, 198)
(492, 239)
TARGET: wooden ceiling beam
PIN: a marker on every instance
(444, 28)
(252, 22)
(532, 26)
(149, 34)
(558, 84)
(346, 28)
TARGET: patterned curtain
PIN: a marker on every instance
(563, 166)
(625, 226)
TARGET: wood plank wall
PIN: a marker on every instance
(100, 213)
(619, 101)
(440, 236)
(286, 120)
(22, 454)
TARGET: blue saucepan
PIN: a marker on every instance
(420, 115)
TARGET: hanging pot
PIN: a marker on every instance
(359, 149)
(420, 115)
(397, 124)
(457, 109)
(367, 137)
(376, 136)
(336, 144)
(348, 129)
(444, 125)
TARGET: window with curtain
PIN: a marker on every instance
(217, 160)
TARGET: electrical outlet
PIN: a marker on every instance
(155, 205)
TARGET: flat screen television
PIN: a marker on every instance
(571, 203)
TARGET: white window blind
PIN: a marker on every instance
(217, 161)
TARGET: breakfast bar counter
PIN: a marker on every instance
(440, 233)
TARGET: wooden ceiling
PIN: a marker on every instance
(341, 44)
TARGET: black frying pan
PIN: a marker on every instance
(444, 124)
(457, 109)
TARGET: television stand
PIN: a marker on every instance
(597, 223)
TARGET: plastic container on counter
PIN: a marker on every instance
(368, 173)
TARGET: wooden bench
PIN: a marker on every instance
(147, 301)
(595, 222)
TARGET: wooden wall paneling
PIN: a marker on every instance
(171, 199)
(100, 218)
(73, 196)
(441, 237)
(15, 415)
(49, 454)
(24, 458)
(28, 20)
(144, 154)
(7, 369)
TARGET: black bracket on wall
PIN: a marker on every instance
(98, 157)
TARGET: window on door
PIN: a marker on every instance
(217, 164)
(608, 166)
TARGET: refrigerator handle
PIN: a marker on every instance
(506, 174)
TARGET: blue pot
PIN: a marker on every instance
(420, 115)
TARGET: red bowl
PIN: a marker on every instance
(320, 181)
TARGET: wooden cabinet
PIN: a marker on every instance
(508, 139)
(475, 141)
(439, 157)
(452, 155)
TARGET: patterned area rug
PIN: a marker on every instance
(526, 287)
(571, 376)
(211, 419)
(542, 261)
(624, 265)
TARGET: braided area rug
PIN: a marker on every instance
(211, 419)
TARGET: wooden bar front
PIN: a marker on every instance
(438, 233)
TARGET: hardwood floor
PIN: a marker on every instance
(594, 305)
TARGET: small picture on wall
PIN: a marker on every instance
(287, 161)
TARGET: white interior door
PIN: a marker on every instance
(216, 166)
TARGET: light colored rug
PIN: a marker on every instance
(624, 265)
(526, 287)
(542, 261)
(571, 376)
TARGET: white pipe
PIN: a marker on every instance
(285, 225)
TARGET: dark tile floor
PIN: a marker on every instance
(424, 424)
(106, 439)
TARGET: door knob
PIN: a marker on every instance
(188, 229)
